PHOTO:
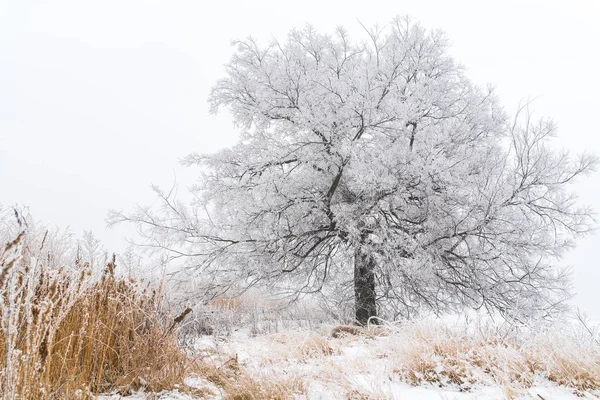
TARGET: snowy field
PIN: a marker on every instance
(347, 189)
(122, 338)
(422, 360)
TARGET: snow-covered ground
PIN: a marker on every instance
(392, 365)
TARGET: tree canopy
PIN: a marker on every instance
(379, 164)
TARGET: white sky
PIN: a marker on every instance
(98, 99)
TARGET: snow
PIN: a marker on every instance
(344, 368)
(319, 390)
(166, 395)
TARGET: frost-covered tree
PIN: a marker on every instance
(380, 161)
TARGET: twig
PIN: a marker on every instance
(587, 328)
(180, 318)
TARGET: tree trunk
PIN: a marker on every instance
(364, 287)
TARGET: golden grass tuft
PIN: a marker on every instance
(259, 387)
(66, 335)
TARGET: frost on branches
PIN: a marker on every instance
(377, 161)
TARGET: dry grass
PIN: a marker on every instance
(425, 354)
(66, 335)
(294, 347)
(237, 384)
(372, 331)
(260, 387)
(313, 345)
(443, 357)
(224, 303)
(349, 330)
(568, 363)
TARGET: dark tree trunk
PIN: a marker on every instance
(364, 287)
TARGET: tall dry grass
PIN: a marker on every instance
(65, 334)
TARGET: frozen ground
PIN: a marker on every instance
(374, 366)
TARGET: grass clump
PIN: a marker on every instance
(264, 387)
(66, 334)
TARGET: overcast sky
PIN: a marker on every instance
(99, 99)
